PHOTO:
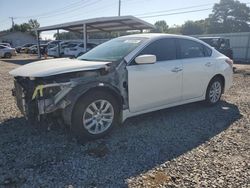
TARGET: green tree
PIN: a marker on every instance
(33, 24)
(176, 29)
(26, 27)
(161, 27)
(192, 28)
(229, 16)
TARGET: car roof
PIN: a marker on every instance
(155, 36)
(210, 37)
(159, 35)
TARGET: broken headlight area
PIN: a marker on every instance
(50, 92)
(35, 98)
(50, 97)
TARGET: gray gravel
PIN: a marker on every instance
(187, 146)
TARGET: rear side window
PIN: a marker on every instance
(163, 49)
(192, 49)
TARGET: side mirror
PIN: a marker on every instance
(145, 59)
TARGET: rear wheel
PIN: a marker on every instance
(214, 91)
(7, 55)
(95, 115)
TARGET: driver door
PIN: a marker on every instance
(155, 85)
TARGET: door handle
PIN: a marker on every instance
(208, 64)
(176, 69)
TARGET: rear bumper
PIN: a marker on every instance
(228, 78)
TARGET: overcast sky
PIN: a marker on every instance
(49, 12)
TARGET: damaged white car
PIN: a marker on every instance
(121, 78)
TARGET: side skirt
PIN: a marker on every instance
(127, 114)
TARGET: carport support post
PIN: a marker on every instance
(38, 44)
(84, 30)
(58, 45)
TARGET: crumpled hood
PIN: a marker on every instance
(56, 66)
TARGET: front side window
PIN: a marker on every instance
(113, 50)
(191, 49)
(163, 49)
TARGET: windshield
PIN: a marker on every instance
(113, 50)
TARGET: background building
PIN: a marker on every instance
(17, 38)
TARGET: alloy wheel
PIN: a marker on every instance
(215, 92)
(98, 116)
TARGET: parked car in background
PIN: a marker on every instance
(33, 49)
(24, 48)
(220, 44)
(121, 78)
(71, 45)
(7, 52)
(53, 52)
(77, 50)
(5, 44)
(52, 48)
(53, 43)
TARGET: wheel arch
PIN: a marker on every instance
(106, 88)
(76, 97)
(221, 77)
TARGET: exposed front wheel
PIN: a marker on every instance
(214, 91)
(95, 115)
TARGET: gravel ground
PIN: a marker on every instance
(186, 146)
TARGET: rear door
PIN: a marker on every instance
(155, 85)
(198, 67)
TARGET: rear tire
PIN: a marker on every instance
(95, 115)
(214, 91)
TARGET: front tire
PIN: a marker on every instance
(214, 91)
(95, 115)
(7, 55)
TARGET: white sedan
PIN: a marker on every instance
(78, 49)
(123, 77)
(6, 51)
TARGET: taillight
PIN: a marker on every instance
(230, 62)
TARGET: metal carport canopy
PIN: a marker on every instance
(94, 25)
(103, 24)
